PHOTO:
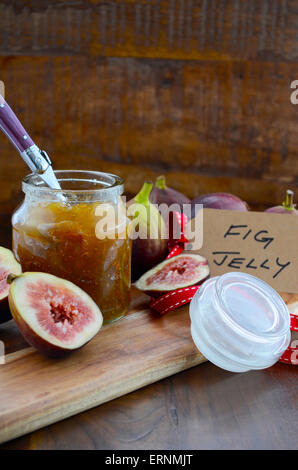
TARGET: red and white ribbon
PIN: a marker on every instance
(174, 299)
(177, 246)
(294, 322)
(290, 356)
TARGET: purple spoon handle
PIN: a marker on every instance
(37, 160)
(12, 127)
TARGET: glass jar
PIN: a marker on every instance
(61, 232)
(239, 322)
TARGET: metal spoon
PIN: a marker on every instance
(37, 160)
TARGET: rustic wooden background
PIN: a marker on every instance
(199, 90)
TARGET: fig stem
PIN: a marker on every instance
(143, 196)
(10, 278)
(288, 203)
(161, 182)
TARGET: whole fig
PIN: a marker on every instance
(150, 242)
(162, 195)
(225, 201)
(287, 207)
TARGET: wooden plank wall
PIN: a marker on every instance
(197, 89)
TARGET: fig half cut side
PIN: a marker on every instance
(8, 265)
(54, 316)
(175, 273)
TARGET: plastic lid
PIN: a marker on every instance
(239, 322)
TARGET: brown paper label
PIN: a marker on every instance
(261, 244)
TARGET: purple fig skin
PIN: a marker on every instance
(287, 206)
(146, 253)
(162, 194)
(282, 210)
(225, 201)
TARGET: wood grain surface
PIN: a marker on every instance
(217, 117)
(179, 29)
(202, 408)
(195, 88)
(199, 90)
(138, 350)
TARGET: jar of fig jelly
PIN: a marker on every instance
(62, 232)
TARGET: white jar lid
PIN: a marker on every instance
(239, 322)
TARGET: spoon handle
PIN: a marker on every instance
(12, 127)
(37, 160)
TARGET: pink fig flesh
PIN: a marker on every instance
(175, 273)
(54, 316)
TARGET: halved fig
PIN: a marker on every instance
(54, 316)
(180, 271)
(8, 264)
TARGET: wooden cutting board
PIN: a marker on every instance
(138, 350)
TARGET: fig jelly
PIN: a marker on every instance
(58, 232)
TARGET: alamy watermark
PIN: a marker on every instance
(154, 221)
